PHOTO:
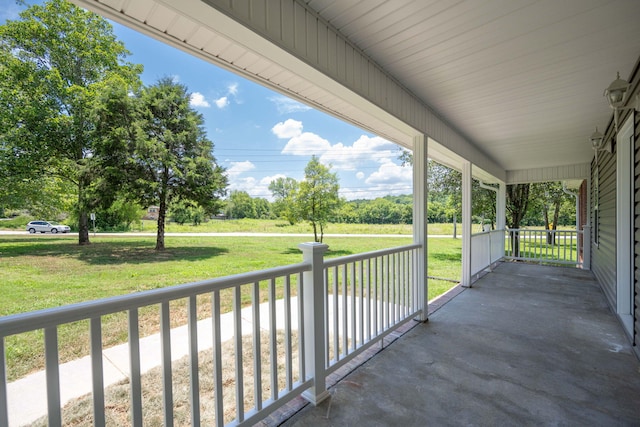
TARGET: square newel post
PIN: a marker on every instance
(314, 321)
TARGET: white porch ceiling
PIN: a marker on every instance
(520, 80)
(523, 80)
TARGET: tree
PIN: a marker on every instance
(169, 156)
(517, 205)
(318, 197)
(240, 205)
(54, 60)
(284, 193)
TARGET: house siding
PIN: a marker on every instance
(604, 251)
(636, 234)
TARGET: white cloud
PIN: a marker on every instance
(222, 102)
(197, 100)
(307, 144)
(287, 129)
(360, 175)
(232, 89)
(391, 178)
(286, 105)
(175, 78)
(238, 168)
(344, 157)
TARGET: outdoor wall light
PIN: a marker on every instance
(598, 142)
(616, 94)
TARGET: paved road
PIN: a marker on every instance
(238, 234)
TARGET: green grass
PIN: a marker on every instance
(46, 271)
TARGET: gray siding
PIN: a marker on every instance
(636, 229)
(604, 254)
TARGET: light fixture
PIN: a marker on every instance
(616, 96)
(597, 140)
(598, 143)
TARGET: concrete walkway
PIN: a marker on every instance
(527, 345)
(27, 396)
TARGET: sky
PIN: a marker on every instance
(260, 135)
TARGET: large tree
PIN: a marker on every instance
(53, 62)
(317, 197)
(170, 157)
(284, 192)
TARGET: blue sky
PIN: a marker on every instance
(260, 135)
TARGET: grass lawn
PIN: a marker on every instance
(46, 271)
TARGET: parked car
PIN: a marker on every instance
(46, 226)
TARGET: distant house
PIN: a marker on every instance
(152, 213)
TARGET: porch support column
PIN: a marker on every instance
(314, 317)
(501, 206)
(420, 191)
(466, 224)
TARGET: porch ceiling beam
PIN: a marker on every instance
(577, 172)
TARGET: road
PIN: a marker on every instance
(235, 234)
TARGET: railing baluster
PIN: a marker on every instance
(165, 348)
(217, 358)
(237, 333)
(301, 336)
(4, 406)
(194, 380)
(134, 367)
(353, 306)
(273, 336)
(336, 317)
(257, 360)
(97, 374)
(369, 299)
(361, 290)
(288, 355)
(345, 310)
(327, 341)
(53, 375)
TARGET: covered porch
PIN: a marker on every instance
(527, 345)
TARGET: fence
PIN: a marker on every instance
(339, 307)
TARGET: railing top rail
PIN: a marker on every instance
(480, 233)
(373, 254)
(542, 230)
(24, 322)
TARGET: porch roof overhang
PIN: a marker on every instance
(515, 87)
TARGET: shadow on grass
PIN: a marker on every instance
(440, 256)
(134, 251)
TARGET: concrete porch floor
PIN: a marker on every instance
(527, 345)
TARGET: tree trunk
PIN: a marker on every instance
(546, 225)
(83, 221)
(162, 212)
(515, 243)
(315, 231)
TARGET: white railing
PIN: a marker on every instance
(339, 307)
(545, 246)
(487, 248)
(368, 295)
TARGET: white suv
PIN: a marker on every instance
(44, 226)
